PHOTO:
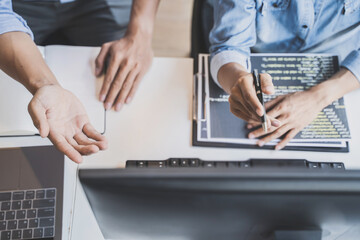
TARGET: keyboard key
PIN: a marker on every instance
(30, 195)
(26, 204)
(5, 235)
(141, 164)
(40, 194)
(325, 165)
(5, 196)
(46, 212)
(184, 162)
(2, 225)
(2, 216)
(27, 233)
(49, 232)
(16, 234)
(12, 225)
(221, 165)
(194, 162)
(47, 222)
(174, 163)
(338, 165)
(18, 195)
(16, 205)
(38, 233)
(233, 164)
(244, 165)
(10, 215)
(313, 165)
(33, 223)
(22, 224)
(208, 164)
(5, 206)
(50, 193)
(156, 164)
(20, 214)
(45, 203)
(31, 213)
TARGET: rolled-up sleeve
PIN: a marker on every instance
(232, 35)
(10, 21)
(352, 62)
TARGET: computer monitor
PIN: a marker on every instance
(203, 204)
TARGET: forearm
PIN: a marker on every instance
(21, 59)
(142, 17)
(229, 74)
(341, 83)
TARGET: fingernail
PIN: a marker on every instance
(261, 143)
(118, 107)
(128, 100)
(251, 136)
(259, 112)
(249, 126)
(102, 98)
(278, 147)
(276, 123)
(97, 71)
(107, 106)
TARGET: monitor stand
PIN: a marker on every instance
(298, 234)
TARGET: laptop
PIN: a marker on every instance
(190, 199)
(31, 193)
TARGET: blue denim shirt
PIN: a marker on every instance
(285, 26)
(12, 22)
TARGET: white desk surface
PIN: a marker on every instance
(158, 125)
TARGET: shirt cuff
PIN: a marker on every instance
(352, 63)
(11, 22)
(224, 57)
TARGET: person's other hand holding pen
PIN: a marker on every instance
(243, 99)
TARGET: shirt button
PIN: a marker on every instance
(275, 5)
(305, 26)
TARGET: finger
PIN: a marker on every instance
(116, 85)
(248, 92)
(109, 77)
(290, 135)
(238, 111)
(134, 88)
(274, 135)
(82, 139)
(267, 85)
(83, 149)
(91, 132)
(100, 59)
(271, 122)
(236, 101)
(125, 89)
(60, 143)
(38, 115)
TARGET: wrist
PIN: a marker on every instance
(37, 84)
(229, 74)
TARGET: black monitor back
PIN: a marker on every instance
(254, 204)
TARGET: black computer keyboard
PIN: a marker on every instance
(252, 163)
(28, 214)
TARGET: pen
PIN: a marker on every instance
(259, 95)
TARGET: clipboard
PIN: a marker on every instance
(201, 111)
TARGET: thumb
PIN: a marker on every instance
(38, 115)
(267, 85)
